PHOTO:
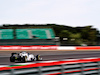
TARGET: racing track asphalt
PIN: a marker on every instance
(51, 55)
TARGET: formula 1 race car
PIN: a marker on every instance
(24, 57)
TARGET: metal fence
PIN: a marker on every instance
(66, 67)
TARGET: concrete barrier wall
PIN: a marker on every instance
(86, 66)
(50, 47)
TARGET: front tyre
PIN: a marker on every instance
(19, 58)
(24, 59)
(38, 58)
(12, 59)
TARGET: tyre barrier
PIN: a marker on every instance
(88, 66)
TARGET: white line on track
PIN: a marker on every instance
(4, 65)
(24, 63)
(52, 61)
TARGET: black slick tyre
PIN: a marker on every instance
(24, 59)
(37, 57)
(12, 59)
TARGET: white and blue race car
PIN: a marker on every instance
(24, 57)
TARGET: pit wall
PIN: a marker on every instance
(50, 47)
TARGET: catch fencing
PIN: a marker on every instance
(89, 66)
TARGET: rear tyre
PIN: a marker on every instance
(12, 59)
(24, 59)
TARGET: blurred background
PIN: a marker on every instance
(48, 34)
(52, 22)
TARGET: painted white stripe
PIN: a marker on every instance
(4, 65)
(47, 61)
(48, 34)
(89, 58)
(30, 34)
(24, 63)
